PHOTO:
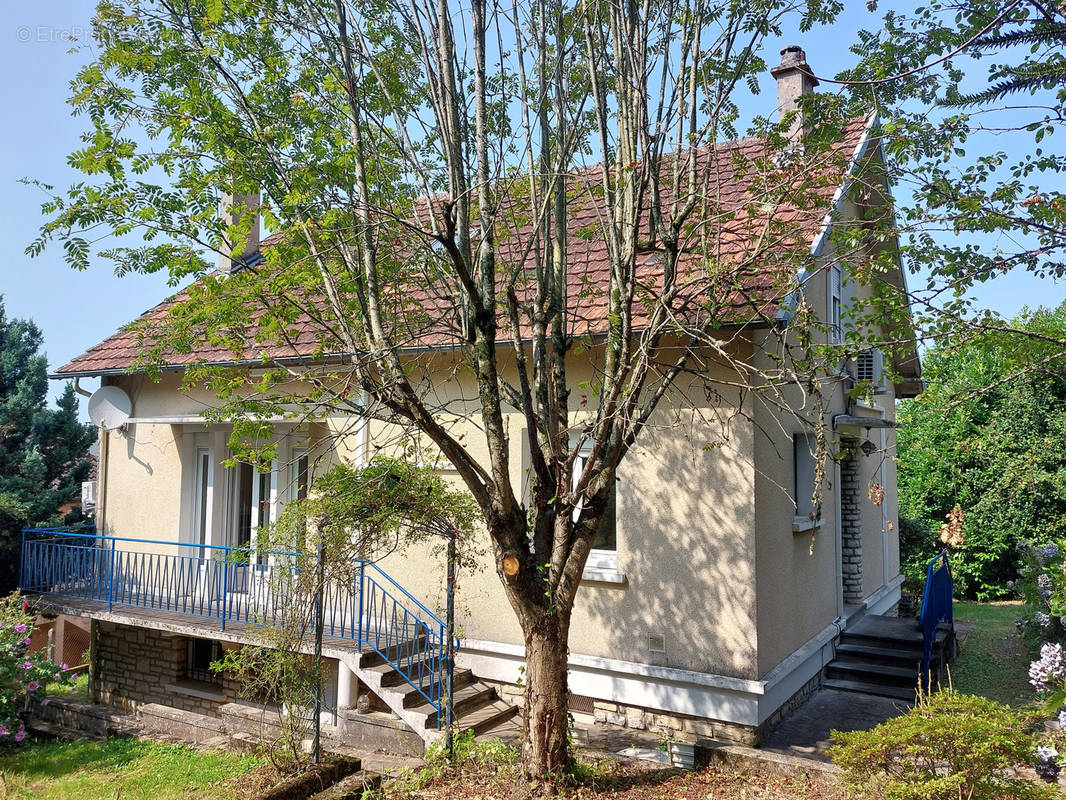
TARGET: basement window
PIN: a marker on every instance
(198, 657)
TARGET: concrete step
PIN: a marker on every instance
(863, 687)
(872, 673)
(487, 717)
(857, 651)
(403, 652)
(412, 697)
(467, 699)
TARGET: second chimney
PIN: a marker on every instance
(794, 78)
(233, 208)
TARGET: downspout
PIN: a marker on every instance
(101, 477)
(838, 543)
(885, 577)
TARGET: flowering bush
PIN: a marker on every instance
(1042, 585)
(23, 675)
(948, 746)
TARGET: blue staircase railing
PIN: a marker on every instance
(360, 602)
(936, 608)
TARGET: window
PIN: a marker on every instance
(804, 446)
(604, 553)
(836, 329)
(199, 654)
(298, 475)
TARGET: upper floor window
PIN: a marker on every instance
(836, 328)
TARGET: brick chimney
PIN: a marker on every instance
(233, 207)
(794, 78)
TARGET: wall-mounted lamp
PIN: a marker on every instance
(868, 448)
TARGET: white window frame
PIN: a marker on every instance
(836, 305)
(599, 560)
(203, 496)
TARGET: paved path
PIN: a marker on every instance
(805, 732)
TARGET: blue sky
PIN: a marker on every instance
(75, 310)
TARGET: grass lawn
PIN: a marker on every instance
(120, 768)
(994, 659)
(78, 691)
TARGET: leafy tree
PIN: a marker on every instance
(988, 435)
(43, 452)
(979, 180)
(421, 162)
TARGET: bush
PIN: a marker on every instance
(1042, 586)
(22, 676)
(950, 745)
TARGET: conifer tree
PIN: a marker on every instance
(43, 452)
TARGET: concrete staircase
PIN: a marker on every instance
(883, 655)
(476, 705)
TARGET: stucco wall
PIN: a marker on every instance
(685, 512)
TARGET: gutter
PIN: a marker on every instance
(335, 358)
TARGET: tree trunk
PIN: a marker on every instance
(546, 755)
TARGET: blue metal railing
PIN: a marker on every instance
(360, 603)
(936, 608)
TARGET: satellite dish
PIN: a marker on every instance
(109, 407)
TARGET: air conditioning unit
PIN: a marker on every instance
(869, 366)
(88, 495)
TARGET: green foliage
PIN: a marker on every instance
(948, 746)
(484, 757)
(277, 674)
(1042, 586)
(43, 451)
(988, 434)
(23, 676)
(383, 506)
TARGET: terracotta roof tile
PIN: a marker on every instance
(747, 291)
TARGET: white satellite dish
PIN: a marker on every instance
(109, 407)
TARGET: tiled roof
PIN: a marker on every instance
(742, 291)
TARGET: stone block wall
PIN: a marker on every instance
(137, 665)
(851, 523)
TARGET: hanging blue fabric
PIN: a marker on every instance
(936, 608)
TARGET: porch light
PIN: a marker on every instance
(868, 448)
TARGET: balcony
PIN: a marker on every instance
(237, 590)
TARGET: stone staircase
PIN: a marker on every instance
(883, 655)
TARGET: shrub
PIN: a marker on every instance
(950, 745)
(1042, 585)
(23, 676)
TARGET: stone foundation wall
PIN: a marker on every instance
(675, 726)
(137, 665)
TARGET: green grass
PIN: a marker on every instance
(79, 691)
(993, 661)
(119, 768)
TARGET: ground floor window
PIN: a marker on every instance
(198, 657)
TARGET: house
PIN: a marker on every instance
(709, 607)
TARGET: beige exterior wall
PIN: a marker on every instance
(705, 517)
(684, 515)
